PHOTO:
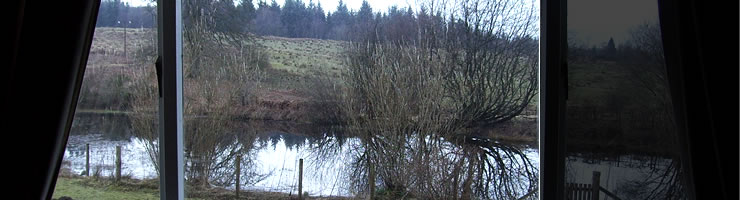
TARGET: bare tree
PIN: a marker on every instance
(144, 103)
(492, 64)
(399, 105)
(413, 104)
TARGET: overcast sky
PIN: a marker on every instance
(593, 21)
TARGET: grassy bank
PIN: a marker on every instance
(290, 88)
(77, 187)
(89, 188)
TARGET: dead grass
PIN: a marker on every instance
(304, 56)
(520, 130)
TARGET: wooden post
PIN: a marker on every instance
(238, 174)
(300, 179)
(87, 160)
(371, 179)
(118, 163)
(595, 185)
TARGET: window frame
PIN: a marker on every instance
(688, 41)
(169, 44)
(553, 85)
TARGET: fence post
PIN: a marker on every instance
(118, 163)
(300, 179)
(595, 185)
(87, 160)
(238, 174)
(371, 179)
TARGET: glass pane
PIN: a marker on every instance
(620, 129)
(109, 153)
(431, 100)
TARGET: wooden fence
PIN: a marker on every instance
(118, 164)
(582, 191)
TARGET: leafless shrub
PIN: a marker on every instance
(145, 106)
(392, 93)
(413, 106)
(396, 102)
(491, 66)
(325, 95)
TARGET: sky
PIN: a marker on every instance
(593, 22)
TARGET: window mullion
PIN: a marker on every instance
(171, 179)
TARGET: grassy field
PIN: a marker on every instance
(298, 67)
(298, 63)
(594, 83)
(304, 56)
(299, 56)
(108, 50)
(88, 188)
(608, 105)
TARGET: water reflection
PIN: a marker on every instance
(112, 126)
(335, 163)
(435, 168)
(136, 163)
(629, 176)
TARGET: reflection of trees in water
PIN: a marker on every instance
(242, 145)
(414, 165)
(644, 176)
(212, 152)
(146, 131)
(208, 146)
(293, 135)
(291, 141)
(294, 141)
(658, 182)
(429, 167)
(211, 147)
(111, 126)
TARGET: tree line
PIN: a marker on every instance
(114, 13)
(296, 19)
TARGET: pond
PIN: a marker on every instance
(628, 176)
(270, 156)
(276, 163)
